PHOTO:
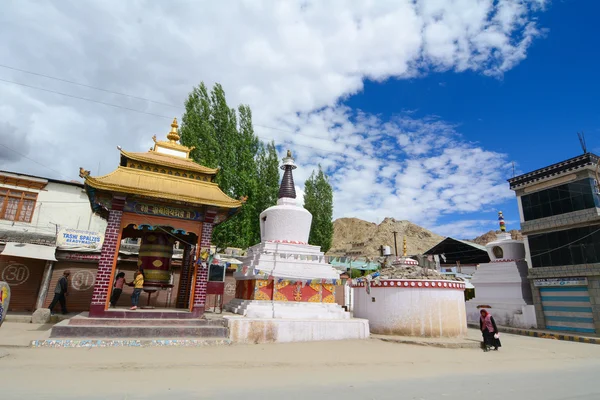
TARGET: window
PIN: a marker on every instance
(498, 253)
(16, 205)
(566, 247)
(573, 196)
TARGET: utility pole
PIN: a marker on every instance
(395, 244)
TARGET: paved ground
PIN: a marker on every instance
(525, 368)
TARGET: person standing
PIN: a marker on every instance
(138, 285)
(118, 289)
(489, 331)
(61, 292)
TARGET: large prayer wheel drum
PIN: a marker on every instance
(155, 256)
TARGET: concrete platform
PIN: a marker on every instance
(84, 327)
(279, 330)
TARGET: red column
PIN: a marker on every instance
(108, 258)
(202, 272)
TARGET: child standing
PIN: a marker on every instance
(118, 289)
(138, 285)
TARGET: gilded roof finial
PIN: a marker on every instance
(173, 136)
(289, 153)
(404, 251)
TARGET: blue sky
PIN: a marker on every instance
(416, 109)
(532, 113)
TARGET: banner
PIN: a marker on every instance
(77, 238)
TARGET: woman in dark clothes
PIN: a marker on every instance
(489, 331)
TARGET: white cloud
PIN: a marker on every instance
(292, 61)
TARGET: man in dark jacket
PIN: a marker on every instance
(61, 292)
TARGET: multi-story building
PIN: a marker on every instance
(559, 207)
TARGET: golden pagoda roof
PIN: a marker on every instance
(153, 157)
(161, 186)
(165, 172)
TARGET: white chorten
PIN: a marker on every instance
(502, 284)
(283, 276)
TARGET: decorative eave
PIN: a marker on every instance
(164, 187)
(155, 158)
(585, 161)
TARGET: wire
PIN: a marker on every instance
(150, 101)
(84, 98)
(566, 245)
(89, 86)
(31, 159)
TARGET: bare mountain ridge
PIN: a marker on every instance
(491, 236)
(355, 237)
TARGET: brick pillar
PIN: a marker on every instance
(185, 278)
(108, 257)
(202, 272)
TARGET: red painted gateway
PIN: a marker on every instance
(159, 197)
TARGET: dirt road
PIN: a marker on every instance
(362, 368)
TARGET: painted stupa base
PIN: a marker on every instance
(286, 280)
(285, 330)
(283, 309)
(412, 307)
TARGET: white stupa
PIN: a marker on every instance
(285, 290)
(502, 285)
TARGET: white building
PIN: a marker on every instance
(34, 205)
(33, 211)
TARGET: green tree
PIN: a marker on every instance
(224, 138)
(268, 183)
(318, 200)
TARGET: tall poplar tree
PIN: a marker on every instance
(224, 138)
(268, 182)
(318, 200)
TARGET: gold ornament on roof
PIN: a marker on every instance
(83, 173)
(405, 254)
(173, 136)
(289, 154)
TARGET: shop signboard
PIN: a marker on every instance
(67, 237)
(560, 282)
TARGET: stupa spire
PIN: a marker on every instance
(173, 136)
(501, 222)
(287, 188)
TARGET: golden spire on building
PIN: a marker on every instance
(173, 136)
(405, 254)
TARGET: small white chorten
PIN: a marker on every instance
(502, 284)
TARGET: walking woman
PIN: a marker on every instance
(138, 285)
(118, 289)
(489, 330)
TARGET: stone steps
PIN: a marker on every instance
(66, 330)
(147, 322)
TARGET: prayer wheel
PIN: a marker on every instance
(155, 256)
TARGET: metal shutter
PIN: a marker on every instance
(24, 276)
(567, 308)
